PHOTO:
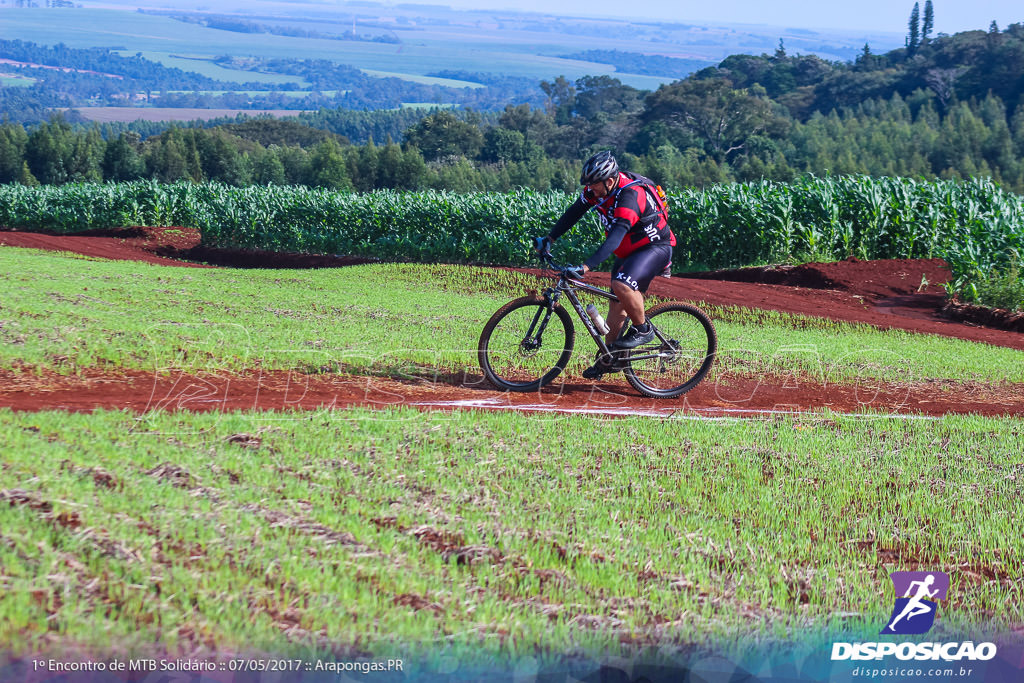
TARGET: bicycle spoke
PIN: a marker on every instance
(524, 345)
(680, 355)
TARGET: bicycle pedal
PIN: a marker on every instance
(616, 362)
(610, 361)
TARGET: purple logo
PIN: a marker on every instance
(917, 596)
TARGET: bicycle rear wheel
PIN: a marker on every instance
(680, 356)
(525, 345)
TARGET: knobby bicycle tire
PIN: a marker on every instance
(689, 360)
(509, 361)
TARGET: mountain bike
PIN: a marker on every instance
(527, 343)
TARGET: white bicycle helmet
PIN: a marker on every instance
(601, 166)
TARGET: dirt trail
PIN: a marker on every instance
(895, 294)
(721, 395)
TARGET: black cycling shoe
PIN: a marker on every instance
(598, 370)
(634, 338)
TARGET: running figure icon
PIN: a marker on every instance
(915, 606)
(916, 602)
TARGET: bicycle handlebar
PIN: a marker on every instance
(550, 261)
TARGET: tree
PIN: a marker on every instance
(941, 81)
(121, 160)
(56, 154)
(503, 145)
(268, 169)
(443, 134)
(221, 158)
(411, 170)
(296, 163)
(561, 98)
(992, 40)
(742, 70)
(929, 22)
(174, 156)
(165, 160)
(25, 177)
(327, 166)
(605, 95)
(45, 153)
(866, 60)
(12, 152)
(914, 34)
(364, 167)
(389, 160)
(87, 156)
(711, 109)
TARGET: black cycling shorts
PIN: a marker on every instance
(639, 268)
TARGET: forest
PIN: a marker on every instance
(941, 107)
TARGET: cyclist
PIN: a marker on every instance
(636, 230)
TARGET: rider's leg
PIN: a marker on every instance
(631, 277)
(629, 282)
(624, 287)
(616, 313)
(616, 318)
(631, 300)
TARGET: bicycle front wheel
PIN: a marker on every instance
(525, 344)
(679, 357)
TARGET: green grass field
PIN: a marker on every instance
(498, 536)
(65, 312)
(204, 64)
(427, 80)
(307, 533)
(16, 81)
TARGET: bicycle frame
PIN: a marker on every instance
(569, 287)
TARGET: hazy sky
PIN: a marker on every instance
(951, 16)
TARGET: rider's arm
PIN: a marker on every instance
(571, 216)
(613, 240)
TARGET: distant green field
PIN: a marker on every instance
(427, 80)
(126, 114)
(206, 67)
(16, 82)
(161, 37)
(256, 93)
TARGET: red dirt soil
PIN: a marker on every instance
(721, 395)
(894, 294)
(166, 247)
(119, 244)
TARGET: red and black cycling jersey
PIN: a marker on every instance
(633, 208)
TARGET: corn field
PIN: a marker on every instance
(975, 226)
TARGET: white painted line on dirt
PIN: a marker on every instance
(812, 413)
(497, 404)
(715, 414)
